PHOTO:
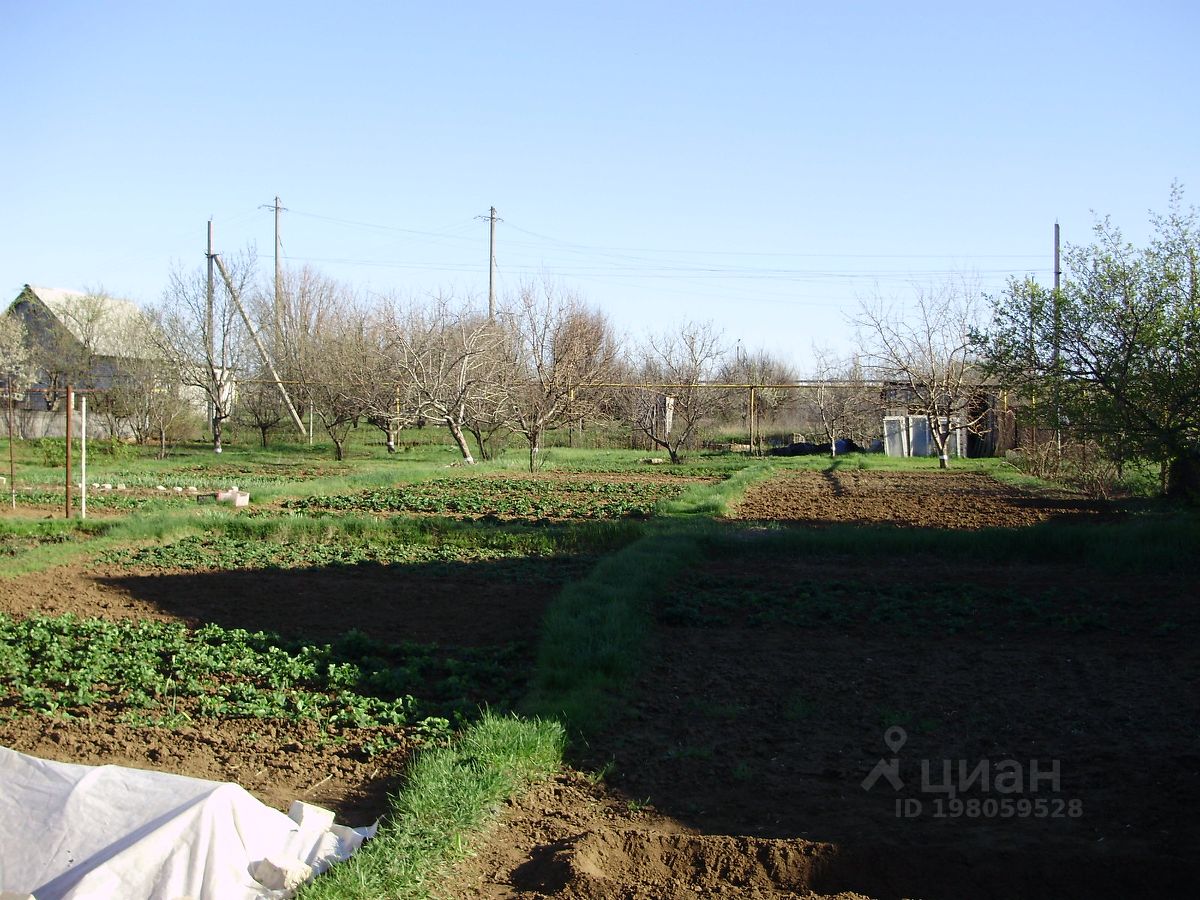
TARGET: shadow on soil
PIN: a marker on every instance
(773, 692)
(457, 604)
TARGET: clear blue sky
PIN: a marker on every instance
(761, 165)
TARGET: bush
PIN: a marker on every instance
(53, 450)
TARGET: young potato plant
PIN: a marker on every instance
(162, 673)
(505, 497)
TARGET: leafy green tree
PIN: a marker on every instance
(1114, 354)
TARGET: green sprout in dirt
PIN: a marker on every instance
(161, 673)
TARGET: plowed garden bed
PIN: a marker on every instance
(774, 672)
(462, 632)
(926, 499)
(778, 667)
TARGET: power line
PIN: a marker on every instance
(778, 252)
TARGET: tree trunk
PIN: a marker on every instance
(162, 443)
(263, 431)
(461, 440)
(339, 450)
(1183, 477)
(484, 453)
(940, 440)
(535, 440)
(216, 430)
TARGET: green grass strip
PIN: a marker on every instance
(594, 632)
(65, 541)
(450, 794)
(704, 500)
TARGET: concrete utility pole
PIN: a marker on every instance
(208, 308)
(210, 325)
(1057, 338)
(1057, 258)
(491, 218)
(262, 351)
(278, 293)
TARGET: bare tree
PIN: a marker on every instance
(148, 403)
(68, 355)
(448, 361)
(335, 367)
(141, 390)
(926, 358)
(564, 353)
(378, 376)
(308, 301)
(487, 414)
(259, 406)
(684, 363)
(768, 377)
(208, 355)
(18, 368)
(844, 406)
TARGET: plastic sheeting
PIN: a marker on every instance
(70, 832)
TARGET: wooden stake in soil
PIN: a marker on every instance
(12, 465)
(70, 403)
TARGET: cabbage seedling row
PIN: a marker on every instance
(504, 497)
(162, 673)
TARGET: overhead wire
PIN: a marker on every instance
(600, 264)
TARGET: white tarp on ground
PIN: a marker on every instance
(76, 832)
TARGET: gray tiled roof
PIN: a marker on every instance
(110, 326)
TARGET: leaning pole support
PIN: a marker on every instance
(262, 351)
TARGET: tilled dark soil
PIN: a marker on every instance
(277, 762)
(928, 499)
(742, 766)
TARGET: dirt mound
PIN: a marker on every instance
(574, 839)
(627, 862)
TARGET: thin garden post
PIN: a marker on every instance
(83, 457)
(70, 403)
(12, 465)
